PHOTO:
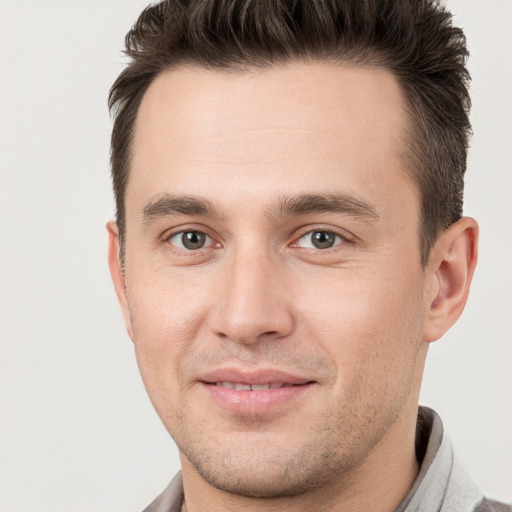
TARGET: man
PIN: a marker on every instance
(289, 239)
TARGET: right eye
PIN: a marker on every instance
(190, 240)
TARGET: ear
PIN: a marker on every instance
(450, 271)
(117, 273)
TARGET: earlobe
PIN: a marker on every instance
(450, 270)
(116, 272)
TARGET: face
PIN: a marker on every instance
(273, 287)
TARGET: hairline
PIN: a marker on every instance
(410, 155)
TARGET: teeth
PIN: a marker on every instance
(229, 385)
(251, 387)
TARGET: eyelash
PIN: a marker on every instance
(168, 237)
(341, 238)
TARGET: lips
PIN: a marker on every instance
(253, 392)
(250, 378)
(252, 387)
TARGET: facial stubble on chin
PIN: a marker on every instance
(329, 451)
(239, 467)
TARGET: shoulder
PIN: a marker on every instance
(488, 505)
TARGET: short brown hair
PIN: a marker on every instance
(413, 39)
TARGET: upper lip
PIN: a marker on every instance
(263, 376)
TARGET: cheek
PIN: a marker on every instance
(369, 327)
(166, 316)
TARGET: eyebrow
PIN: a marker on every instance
(169, 204)
(347, 204)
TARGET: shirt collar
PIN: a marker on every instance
(441, 484)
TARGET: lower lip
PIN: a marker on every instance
(255, 402)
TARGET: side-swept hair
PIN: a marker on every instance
(413, 39)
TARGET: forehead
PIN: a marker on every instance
(299, 126)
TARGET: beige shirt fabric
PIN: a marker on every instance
(442, 485)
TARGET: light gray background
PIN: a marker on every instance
(77, 432)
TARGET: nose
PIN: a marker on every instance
(252, 301)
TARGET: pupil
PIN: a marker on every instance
(193, 239)
(322, 239)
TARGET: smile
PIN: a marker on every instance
(256, 392)
(252, 387)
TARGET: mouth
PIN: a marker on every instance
(250, 393)
(253, 387)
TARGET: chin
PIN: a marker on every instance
(266, 469)
(252, 482)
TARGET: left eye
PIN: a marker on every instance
(320, 240)
(190, 240)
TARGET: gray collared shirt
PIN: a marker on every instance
(442, 485)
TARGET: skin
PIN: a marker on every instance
(354, 319)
